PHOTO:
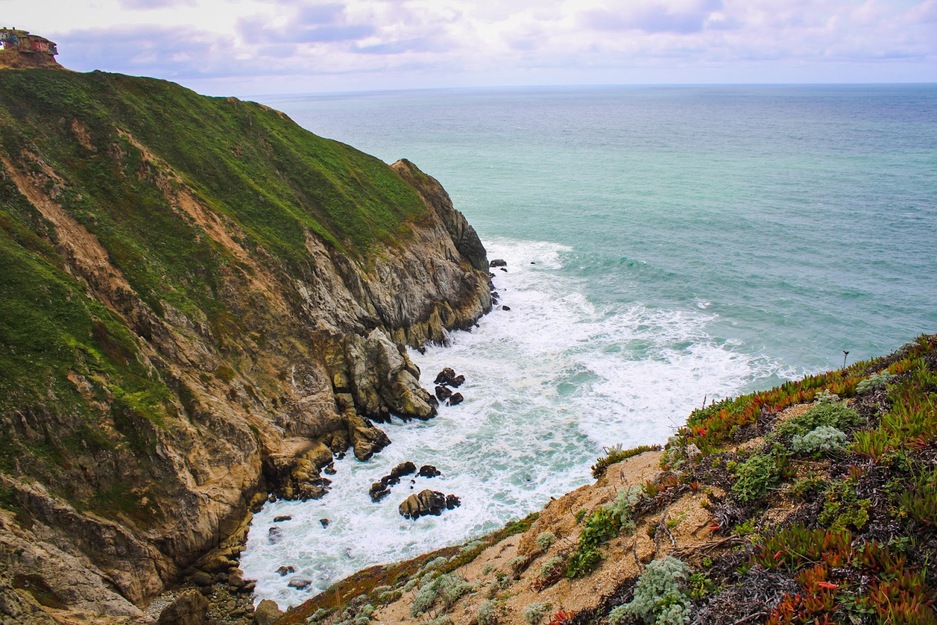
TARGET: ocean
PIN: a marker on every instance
(665, 247)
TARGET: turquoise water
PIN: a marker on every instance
(664, 245)
(804, 216)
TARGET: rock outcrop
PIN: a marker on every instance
(427, 502)
(201, 304)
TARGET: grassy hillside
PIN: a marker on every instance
(82, 401)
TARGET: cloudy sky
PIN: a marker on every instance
(249, 47)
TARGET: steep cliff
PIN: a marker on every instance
(200, 302)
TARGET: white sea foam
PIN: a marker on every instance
(548, 384)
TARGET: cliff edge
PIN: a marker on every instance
(200, 304)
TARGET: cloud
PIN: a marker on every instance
(156, 51)
(320, 23)
(417, 42)
(154, 4)
(654, 17)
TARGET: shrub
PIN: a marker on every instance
(535, 612)
(545, 540)
(488, 612)
(819, 441)
(660, 596)
(601, 526)
(873, 382)
(754, 477)
(617, 454)
(550, 566)
(445, 589)
(843, 509)
(623, 506)
(825, 397)
(435, 563)
(836, 415)
(919, 499)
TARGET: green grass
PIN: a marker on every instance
(122, 150)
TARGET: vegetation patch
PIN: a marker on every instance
(616, 454)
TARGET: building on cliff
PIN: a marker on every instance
(22, 41)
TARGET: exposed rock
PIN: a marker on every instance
(267, 613)
(427, 502)
(443, 393)
(505, 308)
(444, 376)
(297, 470)
(236, 580)
(498, 262)
(378, 491)
(324, 522)
(428, 470)
(18, 607)
(456, 399)
(189, 608)
(404, 468)
(299, 583)
(457, 381)
(281, 518)
(463, 234)
(201, 578)
(285, 570)
(381, 488)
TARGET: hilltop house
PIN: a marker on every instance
(22, 41)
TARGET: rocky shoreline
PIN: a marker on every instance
(197, 392)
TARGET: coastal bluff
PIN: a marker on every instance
(201, 304)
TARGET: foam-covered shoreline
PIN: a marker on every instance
(549, 382)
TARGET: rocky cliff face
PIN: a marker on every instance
(201, 303)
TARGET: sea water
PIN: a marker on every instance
(665, 246)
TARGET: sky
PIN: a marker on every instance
(252, 47)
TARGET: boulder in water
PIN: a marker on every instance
(428, 470)
(442, 393)
(424, 503)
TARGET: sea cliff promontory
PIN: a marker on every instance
(200, 303)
